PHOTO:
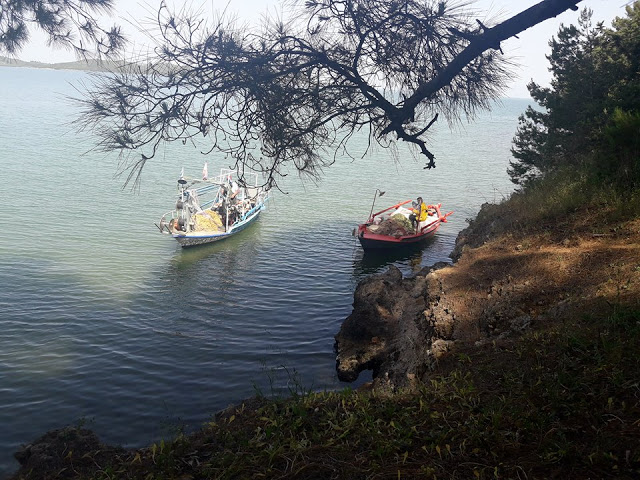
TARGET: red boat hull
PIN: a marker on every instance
(371, 241)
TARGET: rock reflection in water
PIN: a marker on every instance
(409, 259)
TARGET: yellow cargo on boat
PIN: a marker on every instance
(207, 220)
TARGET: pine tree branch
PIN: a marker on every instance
(489, 38)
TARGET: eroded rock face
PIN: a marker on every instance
(397, 328)
(489, 221)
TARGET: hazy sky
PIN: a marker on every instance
(529, 51)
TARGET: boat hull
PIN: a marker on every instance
(196, 238)
(370, 240)
(373, 241)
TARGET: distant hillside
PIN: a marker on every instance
(89, 65)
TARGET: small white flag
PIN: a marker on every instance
(205, 171)
(182, 173)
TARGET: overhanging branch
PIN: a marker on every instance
(489, 38)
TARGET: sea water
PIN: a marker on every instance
(108, 324)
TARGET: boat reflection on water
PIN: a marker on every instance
(408, 259)
(243, 241)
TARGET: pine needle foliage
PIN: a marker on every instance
(68, 24)
(591, 108)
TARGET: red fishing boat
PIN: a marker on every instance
(391, 227)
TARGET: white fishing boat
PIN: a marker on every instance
(212, 209)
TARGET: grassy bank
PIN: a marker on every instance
(562, 403)
(567, 202)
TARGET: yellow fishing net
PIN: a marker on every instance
(208, 220)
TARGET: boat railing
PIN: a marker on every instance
(387, 209)
(164, 223)
(250, 179)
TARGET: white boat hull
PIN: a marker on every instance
(195, 238)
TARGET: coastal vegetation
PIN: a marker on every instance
(559, 398)
(83, 65)
(587, 120)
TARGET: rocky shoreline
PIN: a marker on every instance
(400, 326)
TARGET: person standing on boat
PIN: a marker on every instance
(419, 214)
(221, 204)
(235, 189)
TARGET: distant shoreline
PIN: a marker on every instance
(88, 65)
(93, 66)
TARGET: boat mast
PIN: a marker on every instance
(374, 202)
(227, 190)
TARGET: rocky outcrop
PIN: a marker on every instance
(491, 220)
(397, 329)
(399, 326)
(509, 277)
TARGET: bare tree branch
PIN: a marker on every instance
(290, 92)
(490, 38)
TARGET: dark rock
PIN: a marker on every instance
(392, 327)
(363, 340)
(60, 449)
(56, 443)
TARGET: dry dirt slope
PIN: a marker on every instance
(542, 273)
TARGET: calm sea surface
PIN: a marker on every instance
(105, 322)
